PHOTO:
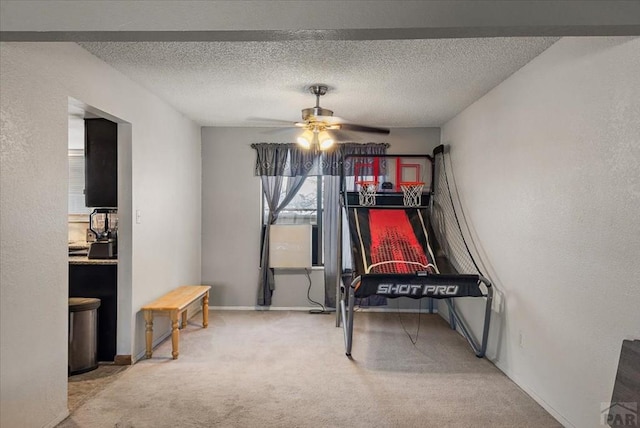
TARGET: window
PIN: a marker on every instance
(305, 208)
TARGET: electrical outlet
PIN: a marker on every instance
(91, 237)
(138, 217)
(520, 339)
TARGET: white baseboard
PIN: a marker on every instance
(394, 310)
(156, 342)
(263, 308)
(531, 393)
(308, 308)
(61, 417)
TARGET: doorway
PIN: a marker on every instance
(106, 278)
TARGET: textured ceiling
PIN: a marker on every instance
(390, 83)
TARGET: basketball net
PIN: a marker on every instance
(412, 194)
(367, 193)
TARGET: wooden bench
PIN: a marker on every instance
(176, 302)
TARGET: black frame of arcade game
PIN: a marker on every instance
(390, 219)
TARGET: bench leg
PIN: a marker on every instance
(205, 310)
(175, 335)
(148, 317)
(184, 319)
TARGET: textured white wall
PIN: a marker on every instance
(36, 81)
(547, 169)
(231, 214)
(33, 248)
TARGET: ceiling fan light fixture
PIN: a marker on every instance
(325, 140)
(305, 139)
(317, 120)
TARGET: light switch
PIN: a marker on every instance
(138, 217)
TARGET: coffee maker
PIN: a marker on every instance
(103, 222)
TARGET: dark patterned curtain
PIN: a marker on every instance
(337, 249)
(273, 163)
(332, 161)
(286, 160)
(272, 159)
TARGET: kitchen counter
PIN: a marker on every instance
(84, 260)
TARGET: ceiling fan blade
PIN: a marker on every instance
(341, 135)
(363, 128)
(270, 122)
(347, 126)
(281, 131)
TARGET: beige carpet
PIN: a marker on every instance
(84, 386)
(288, 369)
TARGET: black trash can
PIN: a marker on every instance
(83, 340)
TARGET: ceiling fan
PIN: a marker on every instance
(317, 121)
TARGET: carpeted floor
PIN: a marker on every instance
(288, 369)
(84, 386)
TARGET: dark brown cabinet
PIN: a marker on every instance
(101, 163)
(99, 281)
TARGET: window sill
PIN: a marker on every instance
(78, 218)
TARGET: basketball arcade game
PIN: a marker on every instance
(393, 215)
